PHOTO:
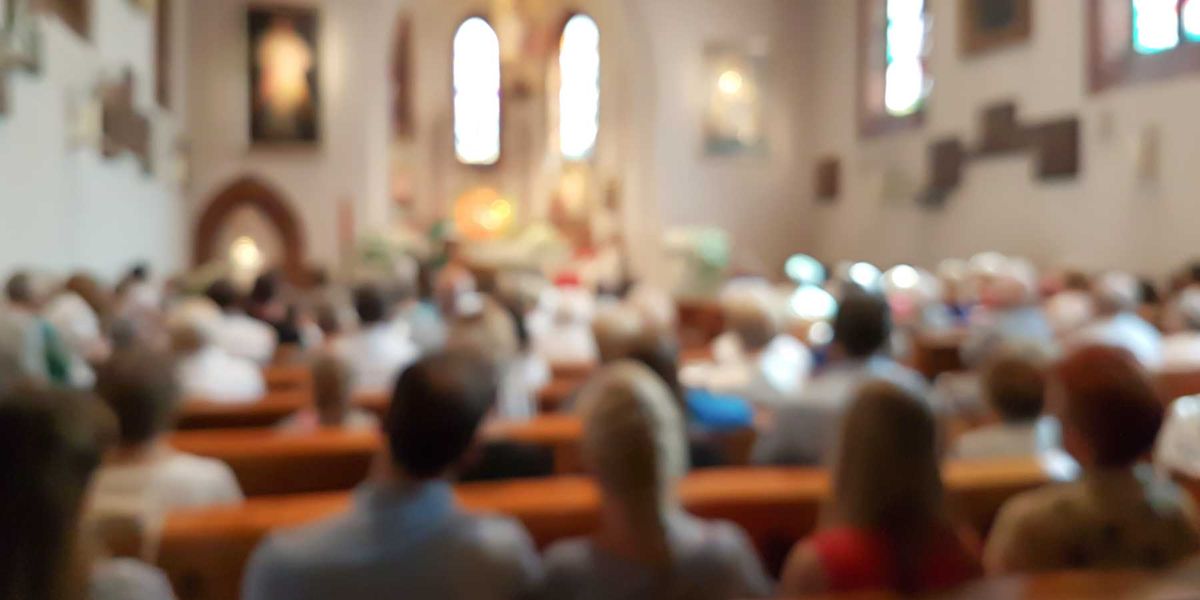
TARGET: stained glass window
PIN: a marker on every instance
(477, 93)
(1191, 20)
(1155, 25)
(906, 84)
(579, 89)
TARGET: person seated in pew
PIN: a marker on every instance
(566, 336)
(887, 526)
(379, 350)
(237, 333)
(805, 431)
(755, 360)
(333, 391)
(1009, 314)
(484, 326)
(1014, 386)
(1181, 350)
(420, 316)
(143, 476)
(265, 305)
(405, 536)
(204, 370)
(704, 413)
(647, 546)
(50, 445)
(1120, 514)
(1116, 297)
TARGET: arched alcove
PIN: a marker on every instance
(248, 192)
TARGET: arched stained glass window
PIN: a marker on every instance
(476, 93)
(905, 83)
(579, 89)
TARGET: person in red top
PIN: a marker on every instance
(887, 527)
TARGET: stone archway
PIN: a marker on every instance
(250, 192)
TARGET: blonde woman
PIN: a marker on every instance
(887, 526)
(647, 545)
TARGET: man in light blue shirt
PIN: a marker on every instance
(405, 536)
(804, 431)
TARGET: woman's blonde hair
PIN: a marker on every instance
(635, 445)
(887, 478)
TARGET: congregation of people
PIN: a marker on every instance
(1058, 367)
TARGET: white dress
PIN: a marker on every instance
(246, 337)
(377, 355)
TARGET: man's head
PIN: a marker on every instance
(436, 408)
(1110, 411)
(19, 290)
(616, 330)
(223, 293)
(863, 324)
(1115, 293)
(370, 304)
(1015, 386)
(752, 321)
(140, 388)
(192, 324)
(265, 289)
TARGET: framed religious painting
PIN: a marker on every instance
(19, 37)
(284, 66)
(987, 25)
(734, 119)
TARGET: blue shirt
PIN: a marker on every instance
(412, 542)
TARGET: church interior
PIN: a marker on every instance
(687, 299)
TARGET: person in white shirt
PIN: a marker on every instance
(79, 327)
(1009, 314)
(753, 359)
(1014, 386)
(240, 334)
(1181, 350)
(568, 338)
(1070, 307)
(205, 371)
(1117, 297)
(380, 349)
(333, 389)
(144, 477)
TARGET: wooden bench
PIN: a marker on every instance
(268, 462)
(1177, 384)
(933, 355)
(287, 377)
(204, 551)
(201, 414)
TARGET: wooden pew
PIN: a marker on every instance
(267, 462)
(287, 377)
(1177, 384)
(933, 355)
(1072, 585)
(205, 551)
(200, 414)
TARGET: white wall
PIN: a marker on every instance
(651, 120)
(1103, 219)
(62, 207)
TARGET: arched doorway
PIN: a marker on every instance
(244, 194)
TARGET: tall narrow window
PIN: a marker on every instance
(1155, 25)
(905, 83)
(894, 81)
(1142, 40)
(476, 93)
(579, 90)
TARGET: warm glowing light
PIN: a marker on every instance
(903, 277)
(579, 88)
(483, 213)
(477, 93)
(730, 83)
(813, 303)
(866, 275)
(804, 269)
(245, 254)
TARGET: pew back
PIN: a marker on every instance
(205, 551)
